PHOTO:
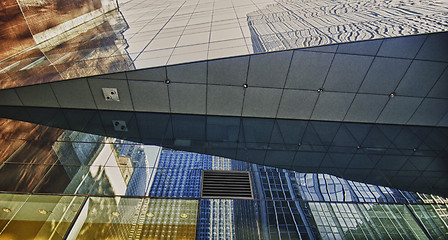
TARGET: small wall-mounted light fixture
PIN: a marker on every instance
(120, 125)
(111, 94)
(320, 90)
(167, 81)
(245, 85)
(392, 95)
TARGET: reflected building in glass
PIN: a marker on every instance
(134, 166)
(178, 174)
(111, 112)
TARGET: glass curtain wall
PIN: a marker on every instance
(68, 184)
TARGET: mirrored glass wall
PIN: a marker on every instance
(62, 184)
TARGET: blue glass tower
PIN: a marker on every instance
(179, 174)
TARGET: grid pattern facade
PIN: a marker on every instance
(286, 203)
(179, 174)
(352, 88)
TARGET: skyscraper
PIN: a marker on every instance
(351, 94)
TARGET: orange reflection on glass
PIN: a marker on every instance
(14, 33)
(47, 41)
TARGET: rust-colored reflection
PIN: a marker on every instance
(65, 39)
(36, 152)
(43, 15)
(97, 51)
(15, 35)
(56, 181)
(8, 147)
(36, 147)
(29, 159)
(21, 177)
(29, 67)
(109, 218)
(13, 129)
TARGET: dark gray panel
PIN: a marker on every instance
(326, 131)
(152, 74)
(360, 160)
(282, 159)
(366, 108)
(223, 129)
(444, 121)
(261, 102)
(420, 78)
(327, 49)
(269, 70)
(401, 47)
(399, 109)
(187, 98)
(308, 69)
(384, 75)
(292, 131)
(308, 160)
(149, 96)
(225, 100)
(257, 130)
(49, 117)
(332, 106)
(74, 94)
(78, 119)
(430, 112)
(375, 142)
(9, 97)
(37, 96)
(152, 126)
(188, 73)
(440, 89)
(341, 160)
(347, 72)
(231, 71)
(369, 47)
(297, 104)
(188, 127)
(435, 47)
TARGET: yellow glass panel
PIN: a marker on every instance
(133, 218)
(42, 217)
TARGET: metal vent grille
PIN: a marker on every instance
(226, 184)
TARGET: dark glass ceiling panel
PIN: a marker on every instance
(417, 164)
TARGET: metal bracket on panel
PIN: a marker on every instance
(111, 94)
(120, 125)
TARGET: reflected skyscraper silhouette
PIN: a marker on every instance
(355, 89)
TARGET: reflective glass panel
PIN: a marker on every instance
(41, 217)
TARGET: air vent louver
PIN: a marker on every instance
(226, 184)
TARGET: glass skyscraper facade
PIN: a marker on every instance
(112, 112)
(121, 189)
(179, 174)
